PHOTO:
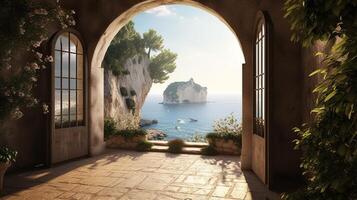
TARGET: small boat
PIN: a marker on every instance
(177, 127)
(193, 120)
(180, 121)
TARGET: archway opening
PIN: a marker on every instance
(207, 52)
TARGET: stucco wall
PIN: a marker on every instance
(98, 22)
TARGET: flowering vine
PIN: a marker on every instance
(23, 33)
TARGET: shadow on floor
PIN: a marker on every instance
(17, 182)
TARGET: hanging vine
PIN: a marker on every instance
(23, 30)
(329, 142)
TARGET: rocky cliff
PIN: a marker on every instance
(118, 89)
(185, 92)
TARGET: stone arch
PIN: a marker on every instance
(125, 17)
(246, 20)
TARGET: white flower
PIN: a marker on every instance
(45, 108)
(7, 93)
(34, 79)
(49, 59)
(37, 44)
(21, 94)
(22, 31)
(17, 114)
(27, 68)
(39, 55)
(72, 22)
(41, 11)
(34, 66)
(43, 66)
(8, 66)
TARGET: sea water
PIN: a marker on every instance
(179, 121)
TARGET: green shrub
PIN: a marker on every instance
(123, 91)
(197, 138)
(109, 127)
(209, 151)
(176, 146)
(143, 146)
(7, 155)
(132, 93)
(227, 128)
(130, 133)
(130, 103)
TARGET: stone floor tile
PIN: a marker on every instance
(139, 195)
(87, 189)
(133, 175)
(220, 191)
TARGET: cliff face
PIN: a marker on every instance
(185, 92)
(137, 80)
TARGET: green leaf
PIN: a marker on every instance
(332, 94)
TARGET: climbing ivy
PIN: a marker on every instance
(329, 142)
(23, 33)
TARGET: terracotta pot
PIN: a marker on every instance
(3, 168)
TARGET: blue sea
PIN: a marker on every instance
(175, 121)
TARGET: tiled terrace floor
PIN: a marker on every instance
(140, 176)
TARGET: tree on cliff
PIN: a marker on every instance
(152, 41)
(126, 44)
(129, 43)
(161, 65)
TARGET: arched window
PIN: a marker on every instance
(260, 79)
(69, 81)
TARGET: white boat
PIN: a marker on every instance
(180, 121)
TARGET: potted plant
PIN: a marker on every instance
(7, 156)
(227, 136)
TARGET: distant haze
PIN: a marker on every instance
(207, 49)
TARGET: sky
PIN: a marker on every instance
(208, 51)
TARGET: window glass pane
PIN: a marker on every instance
(256, 82)
(256, 103)
(73, 100)
(73, 43)
(65, 62)
(57, 63)
(259, 57)
(256, 59)
(76, 46)
(263, 105)
(65, 105)
(57, 102)
(73, 84)
(65, 121)
(263, 55)
(64, 41)
(73, 120)
(73, 65)
(58, 43)
(80, 102)
(58, 121)
(57, 83)
(65, 83)
(79, 66)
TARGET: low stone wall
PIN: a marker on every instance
(121, 142)
(223, 146)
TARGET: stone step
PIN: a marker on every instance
(185, 150)
(187, 144)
